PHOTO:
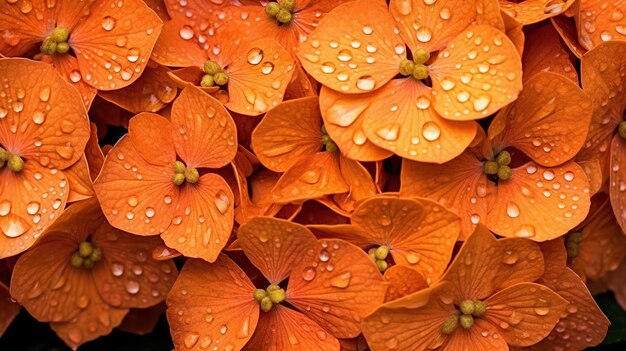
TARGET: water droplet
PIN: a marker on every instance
(548, 175)
(328, 67)
(389, 134)
(132, 287)
(324, 256)
(132, 55)
(32, 208)
(267, 68)
(341, 281)
(569, 176)
(431, 131)
(222, 202)
(108, 23)
(255, 56)
(191, 340)
(186, 32)
(481, 103)
(223, 329)
(308, 274)
(413, 257)
(344, 55)
(365, 83)
(510, 257)
(117, 269)
(424, 35)
(512, 210)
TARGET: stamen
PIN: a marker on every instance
(466, 321)
(421, 56)
(269, 297)
(15, 163)
(86, 256)
(282, 10)
(329, 144)
(449, 326)
(621, 129)
(182, 173)
(572, 242)
(420, 72)
(379, 256)
(56, 42)
(215, 75)
(499, 166)
(407, 67)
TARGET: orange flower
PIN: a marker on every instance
(486, 301)
(43, 130)
(416, 233)
(543, 51)
(600, 21)
(533, 11)
(522, 182)
(598, 245)
(216, 53)
(582, 324)
(604, 79)
(358, 49)
(99, 44)
(95, 274)
(142, 321)
(292, 139)
(156, 179)
(332, 285)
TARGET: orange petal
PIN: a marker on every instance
(524, 313)
(447, 185)
(172, 49)
(488, 12)
(540, 203)
(361, 32)
(81, 185)
(315, 212)
(310, 178)
(401, 118)
(481, 95)
(432, 25)
(8, 309)
(143, 130)
(482, 336)
(603, 244)
(94, 154)
(544, 52)
(159, 7)
(568, 32)
(201, 123)
(285, 329)
(336, 284)
(258, 77)
(67, 66)
(420, 233)
(617, 179)
(203, 218)
(412, 323)
(150, 93)
(532, 11)
(343, 119)
(604, 79)
(132, 191)
(582, 316)
(521, 261)
(598, 24)
(359, 181)
(514, 30)
(142, 321)
(274, 246)
(29, 202)
(548, 122)
(593, 171)
(113, 54)
(23, 30)
(212, 304)
(403, 281)
(56, 129)
(288, 133)
(96, 320)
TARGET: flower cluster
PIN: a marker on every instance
(329, 175)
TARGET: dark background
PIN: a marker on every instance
(26, 334)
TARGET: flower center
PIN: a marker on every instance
(621, 129)
(329, 144)
(86, 256)
(572, 242)
(56, 42)
(13, 162)
(214, 75)
(183, 174)
(282, 10)
(269, 297)
(468, 310)
(499, 167)
(417, 67)
(379, 256)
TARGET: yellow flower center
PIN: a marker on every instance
(416, 67)
(184, 174)
(281, 11)
(621, 129)
(56, 42)
(214, 75)
(379, 256)
(12, 161)
(269, 297)
(572, 242)
(467, 311)
(86, 256)
(329, 144)
(499, 167)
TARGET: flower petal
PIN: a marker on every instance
(532, 11)
(373, 46)
(172, 49)
(403, 281)
(336, 284)
(288, 133)
(201, 123)
(81, 185)
(274, 245)
(212, 304)
(67, 66)
(544, 51)
(8, 309)
(482, 336)
(285, 329)
(617, 179)
(142, 321)
(598, 24)
(21, 28)
(463, 75)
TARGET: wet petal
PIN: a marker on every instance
(401, 118)
(359, 181)
(355, 48)
(403, 281)
(566, 27)
(143, 130)
(67, 66)
(289, 133)
(420, 233)
(524, 313)
(617, 179)
(532, 11)
(336, 284)
(540, 203)
(201, 123)
(285, 329)
(172, 49)
(8, 309)
(21, 28)
(482, 336)
(274, 246)
(548, 122)
(81, 185)
(544, 51)
(113, 42)
(463, 75)
(597, 23)
(142, 321)
(212, 304)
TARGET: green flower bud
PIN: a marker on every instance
(449, 326)
(272, 9)
(421, 56)
(60, 34)
(382, 252)
(63, 47)
(85, 249)
(192, 175)
(331, 146)
(178, 179)
(16, 164)
(466, 321)
(284, 16)
(420, 72)
(490, 167)
(207, 81)
(211, 67)
(467, 307)
(505, 172)
(503, 158)
(407, 67)
(221, 78)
